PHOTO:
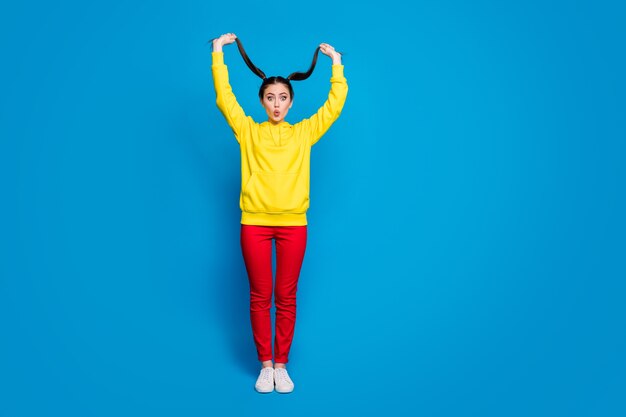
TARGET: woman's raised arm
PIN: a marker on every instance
(321, 121)
(225, 98)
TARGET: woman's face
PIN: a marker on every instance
(277, 102)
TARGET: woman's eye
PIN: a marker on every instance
(270, 98)
(283, 98)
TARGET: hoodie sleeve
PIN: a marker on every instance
(225, 98)
(321, 121)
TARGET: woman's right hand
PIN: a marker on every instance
(225, 39)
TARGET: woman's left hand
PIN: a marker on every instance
(328, 50)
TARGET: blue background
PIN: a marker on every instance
(466, 252)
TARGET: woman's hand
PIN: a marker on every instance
(225, 39)
(327, 49)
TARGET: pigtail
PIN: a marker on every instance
(299, 76)
(249, 63)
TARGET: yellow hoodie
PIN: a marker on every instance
(275, 158)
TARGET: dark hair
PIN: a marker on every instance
(294, 76)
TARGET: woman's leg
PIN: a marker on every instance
(256, 247)
(290, 248)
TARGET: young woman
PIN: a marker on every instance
(275, 167)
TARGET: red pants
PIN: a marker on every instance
(256, 246)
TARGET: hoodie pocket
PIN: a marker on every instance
(276, 192)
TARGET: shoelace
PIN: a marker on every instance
(282, 376)
(266, 374)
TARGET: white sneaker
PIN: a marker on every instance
(265, 381)
(284, 384)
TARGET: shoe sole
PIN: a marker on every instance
(263, 392)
